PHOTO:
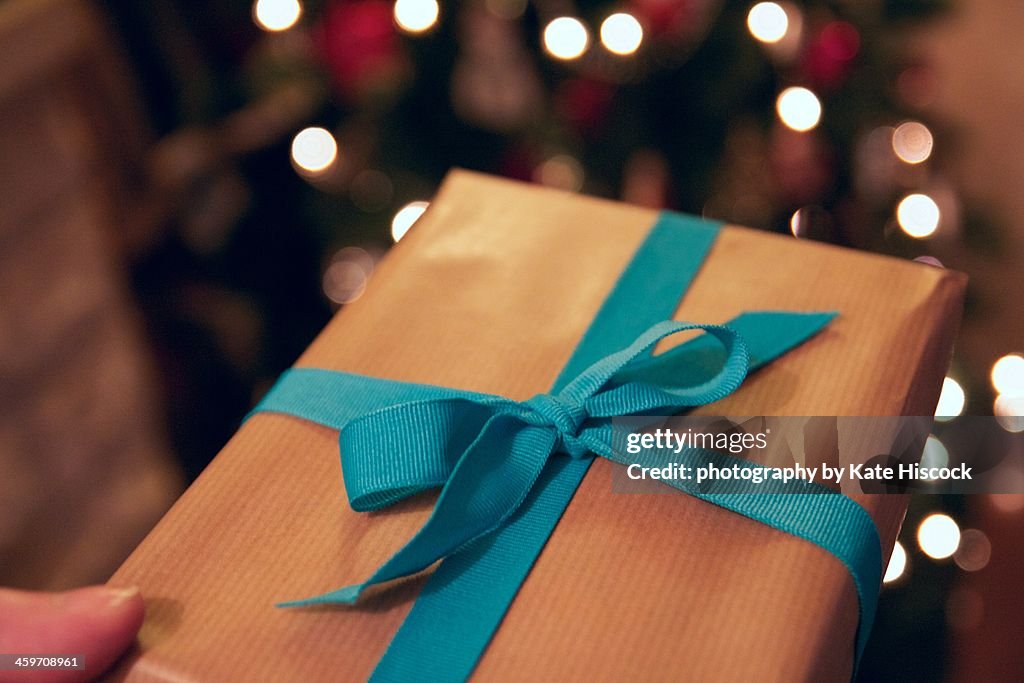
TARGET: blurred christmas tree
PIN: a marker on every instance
(788, 117)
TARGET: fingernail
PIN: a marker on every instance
(118, 596)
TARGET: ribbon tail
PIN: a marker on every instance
(489, 483)
(770, 334)
(767, 335)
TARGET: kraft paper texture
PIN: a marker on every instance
(490, 291)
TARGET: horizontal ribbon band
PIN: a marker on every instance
(499, 461)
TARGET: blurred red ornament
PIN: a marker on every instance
(829, 54)
(584, 104)
(359, 46)
(667, 17)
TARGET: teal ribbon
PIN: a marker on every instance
(502, 466)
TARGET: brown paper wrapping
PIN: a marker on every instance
(490, 292)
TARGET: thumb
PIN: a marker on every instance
(96, 624)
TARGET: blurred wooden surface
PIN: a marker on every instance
(86, 470)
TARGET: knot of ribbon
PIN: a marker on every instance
(565, 416)
(486, 452)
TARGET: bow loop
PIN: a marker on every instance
(566, 416)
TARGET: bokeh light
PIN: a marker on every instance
(345, 278)
(897, 564)
(506, 9)
(621, 34)
(935, 453)
(812, 222)
(1007, 503)
(314, 150)
(406, 217)
(416, 16)
(798, 108)
(768, 22)
(912, 142)
(562, 171)
(276, 15)
(566, 38)
(1008, 375)
(929, 261)
(938, 536)
(839, 42)
(918, 215)
(974, 550)
(951, 400)
(917, 86)
(1009, 412)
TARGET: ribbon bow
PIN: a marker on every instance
(488, 451)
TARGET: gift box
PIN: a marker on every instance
(491, 292)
